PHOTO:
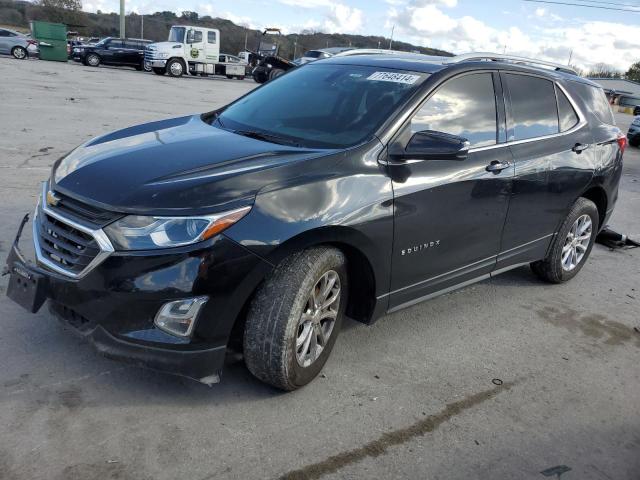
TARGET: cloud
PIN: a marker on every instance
(343, 19)
(589, 43)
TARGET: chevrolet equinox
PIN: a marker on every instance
(351, 186)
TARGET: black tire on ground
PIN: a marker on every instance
(175, 71)
(139, 68)
(276, 72)
(550, 268)
(230, 77)
(240, 77)
(634, 143)
(274, 319)
(159, 70)
(19, 52)
(92, 60)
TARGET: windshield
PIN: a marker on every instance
(312, 54)
(103, 41)
(323, 106)
(176, 34)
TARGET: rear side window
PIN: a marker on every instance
(464, 106)
(601, 105)
(533, 106)
(568, 116)
(211, 37)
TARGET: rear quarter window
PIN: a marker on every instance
(534, 109)
(595, 101)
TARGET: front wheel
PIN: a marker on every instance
(295, 318)
(19, 52)
(572, 244)
(175, 68)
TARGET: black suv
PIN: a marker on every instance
(354, 186)
(112, 51)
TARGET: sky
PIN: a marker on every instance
(546, 31)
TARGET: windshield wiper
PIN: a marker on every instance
(267, 137)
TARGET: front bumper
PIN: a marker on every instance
(156, 63)
(115, 304)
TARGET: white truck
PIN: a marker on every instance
(193, 50)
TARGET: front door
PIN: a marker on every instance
(195, 45)
(449, 214)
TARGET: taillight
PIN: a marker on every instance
(31, 42)
(622, 142)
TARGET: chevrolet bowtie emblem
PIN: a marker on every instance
(52, 200)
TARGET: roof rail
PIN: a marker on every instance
(498, 57)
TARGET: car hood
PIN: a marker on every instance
(177, 166)
(165, 46)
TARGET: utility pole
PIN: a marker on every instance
(295, 47)
(122, 32)
(142, 26)
(245, 40)
(570, 55)
(391, 39)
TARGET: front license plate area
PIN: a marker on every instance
(26, 287)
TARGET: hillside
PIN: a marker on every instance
(156, 27)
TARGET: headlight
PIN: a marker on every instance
(163, 55)
(136, 232)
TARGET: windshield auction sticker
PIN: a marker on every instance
(394, 77)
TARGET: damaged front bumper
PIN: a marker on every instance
(114, 305)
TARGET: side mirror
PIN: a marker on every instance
(431, 145)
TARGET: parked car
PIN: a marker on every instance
(636, 110)
(633, 135)
(353, 186)
(113, 51)
(17, 44)
(313, 55)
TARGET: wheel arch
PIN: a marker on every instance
(598, 195)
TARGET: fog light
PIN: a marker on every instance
(179, 317)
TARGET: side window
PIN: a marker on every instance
(114, 43)
(211, 37)
(601, 106)
(4, 33)
(131, 44)
(568, 116)
(533, 106)
(464, 106)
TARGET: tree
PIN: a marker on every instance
(634, 72)
(190, 16)
(602, 70)
(68, 12)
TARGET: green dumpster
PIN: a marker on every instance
(52, 40)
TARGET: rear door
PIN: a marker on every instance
(212, 47)
(196, 45)
(553, 158)
(5, 41)
(449, 214)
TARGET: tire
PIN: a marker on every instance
(230, 77)
(159, 70)
(240, 77)
(175, 68)
(139, 68)
(92, 60)
(275, 73)
(552, 268)
(275, 321)
(19, 53)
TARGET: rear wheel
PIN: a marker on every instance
(159, 70)
(275, 73)
(295, 318)
(572, 244)
(19, 52)
(175, 68)
(92, 60)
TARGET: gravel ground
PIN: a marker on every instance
(410, 397)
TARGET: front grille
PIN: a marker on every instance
(65, 246)
(70, 207)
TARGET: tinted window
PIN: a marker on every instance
(600, 105)
(464, 106)
(114, 43)
(4, 33)
(132, 44)
(533, 106)
(211, 37)
(176, 34)
(343, 105)
(568, 116)
(313, 54)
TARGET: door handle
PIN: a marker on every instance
(580, 147)
(497, 167)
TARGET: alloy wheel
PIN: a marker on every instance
(577, 242)
(176, 69)
(93, 60)
(318, 319)
(20, 53)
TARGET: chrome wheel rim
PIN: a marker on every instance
(20, 53)
(576, 243)
(318, 319)
(93, 60)
(176, 68)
